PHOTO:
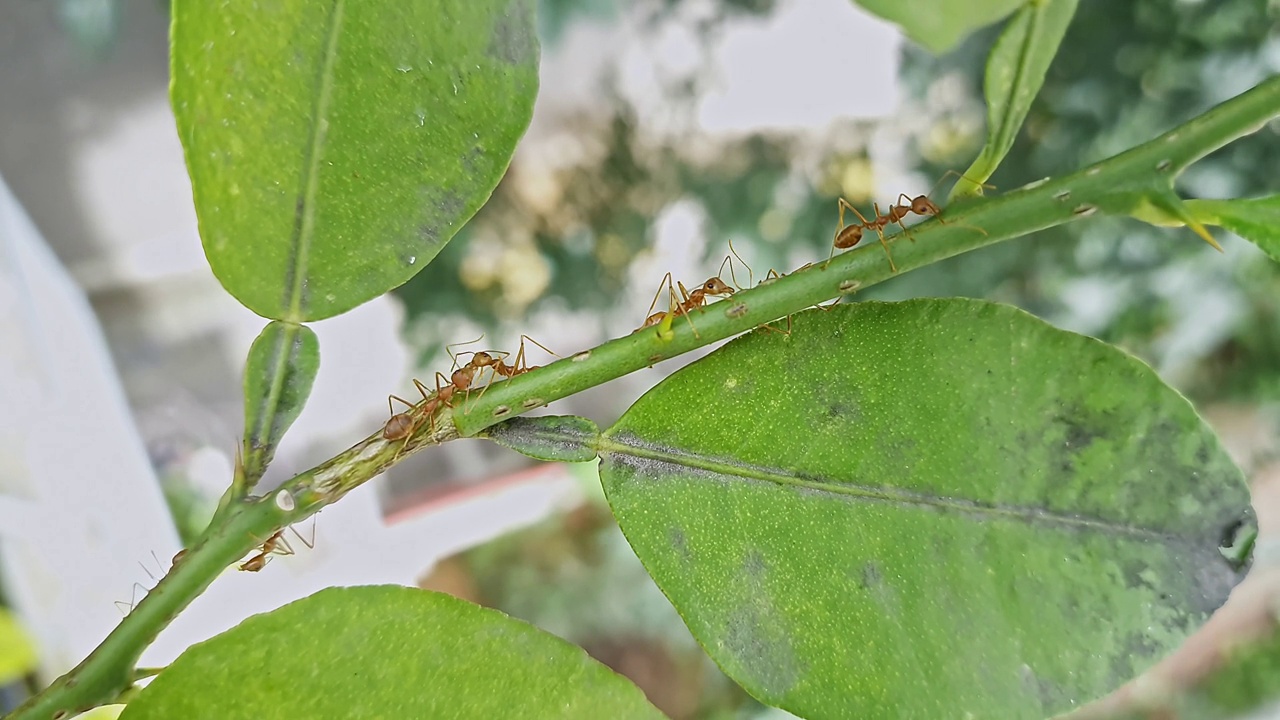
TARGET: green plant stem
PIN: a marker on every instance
(108, 670)
(1119, 185)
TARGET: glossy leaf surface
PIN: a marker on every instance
(940, 26)
(335, 147)
(1015, 71)
(936, 508)
(283, 362)
(552, 438)
(1256, 220)
(386, 652)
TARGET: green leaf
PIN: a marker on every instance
(553, 438)
(335, 147)
(102, 712)
(1256, 220)
(386, 652)
(1015, 71)
(939, 26)
(1166, 209)
(935, 508)
(282, 365)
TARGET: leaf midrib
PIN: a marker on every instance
(304, 222)
(1028, 515)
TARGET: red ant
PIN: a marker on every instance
(500, 368)
(496, 362)
(402, 425)
(713, 287)
(849, 235)
(276, 545)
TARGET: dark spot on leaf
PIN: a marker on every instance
(442, 208)
(871, 576)
(1135, 574)
(1079, 436)
(512, 40)
(843, 410)
(754, 566)
(1202, 454)
(471, 160)
(679, 543)
(450, 204)
(757, 641)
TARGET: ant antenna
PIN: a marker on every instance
(454, 356)
(751, 276)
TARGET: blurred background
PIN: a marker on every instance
(663, 130)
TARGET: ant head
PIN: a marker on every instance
(481, 359)
(716, 286)
(924, 206)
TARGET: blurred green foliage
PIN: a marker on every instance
(1126, 72)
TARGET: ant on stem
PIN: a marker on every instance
(496, 362)
(402, 425)
(849, 235)
(713, 287)
(276, 545)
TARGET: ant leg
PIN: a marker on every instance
(397, 397)
(431, 411)
(899, 212)
(281, 546)
(684, 309)
(843, 205)
(883, 243)
(133, 599)
(493, 377)
(312, 544)
(546, 349)
(666, 319)
(666, 280)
